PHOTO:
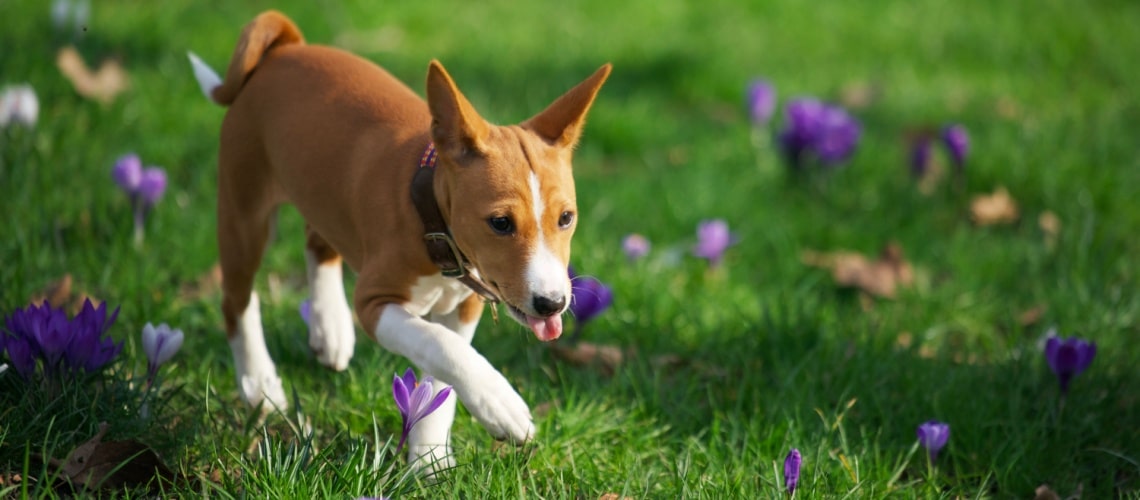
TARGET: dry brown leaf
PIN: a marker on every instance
(996, 208)
(61, 294)
(606, 357)
(100, 85)
(904, 340)
(1032, 315)
(1050, 225)
(932, 178)
(207, 284)
(1044, 492)
(613, 496)
(859, 94)
(99, 464)
(57, 293)
(880, 277)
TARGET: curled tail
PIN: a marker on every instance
(269, 29)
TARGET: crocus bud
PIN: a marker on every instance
(792, 470)
(761, 101)
(152, 185)
(128, 173)
(933, 435)
(957, 143)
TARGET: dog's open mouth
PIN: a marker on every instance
(545, 329)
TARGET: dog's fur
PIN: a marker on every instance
(340, 138)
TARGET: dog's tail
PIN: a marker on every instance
(269, 29)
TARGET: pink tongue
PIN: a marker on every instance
(546, 329)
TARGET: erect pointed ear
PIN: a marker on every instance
(455, 126)
(561, 122)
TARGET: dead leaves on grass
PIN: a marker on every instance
(995, 208)
(102, 84)
(607, 358)
(97, 464)
(879, 277)
(60, 294)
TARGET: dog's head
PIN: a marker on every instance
(507, 193)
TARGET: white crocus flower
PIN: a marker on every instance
(160, 344)
(18, 104)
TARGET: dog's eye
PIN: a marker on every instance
(501, 225)
(566, 219)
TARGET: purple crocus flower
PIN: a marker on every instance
(152, 185)
(814, 130)
(45, 334)
(933, 435)
(415, 400)
(761, 101)
(635, 246)
(713, 238)
(589, 297)
(920, 156)
(306, 310)
(128, 173)
(1068, 358)
(792, 470)
(160, 344)
(957, 143)
(22, 355)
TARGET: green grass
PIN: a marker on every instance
(774, 356)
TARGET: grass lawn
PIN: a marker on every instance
(725, 369)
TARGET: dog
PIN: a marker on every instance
(435, 209)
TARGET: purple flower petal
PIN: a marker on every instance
(792, 470)
(957, 142)
(400, 394)
(1068, 358)
(761, 101)
(152, 185)
(933, 435)
(713, 238)
(128, 173)
(588, 298)
(635, 246)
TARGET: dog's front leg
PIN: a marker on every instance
(429, 443)
(450, 358)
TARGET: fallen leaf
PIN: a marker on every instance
(606, 357)
(996, 208)
(613, 496)
(859, 94)
(904, 340)
(57, 293)
(1050, 225)
(880, 277)
(207, 284)
(100, 85)
(98, 464)
(1044, 492)
(1032, 315)
(61, 294)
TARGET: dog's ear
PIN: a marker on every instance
(561, 122)
(455, 126)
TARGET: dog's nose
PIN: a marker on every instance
(545, 306)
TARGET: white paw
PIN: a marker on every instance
(430, 459)
(332, 336)
(265, 390)
(496, 405)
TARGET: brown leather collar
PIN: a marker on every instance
(441, 246)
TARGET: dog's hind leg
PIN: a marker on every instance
(246, 205)
(332, 336)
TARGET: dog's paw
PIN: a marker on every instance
(495, 404)
(265, 390)
(332, 336)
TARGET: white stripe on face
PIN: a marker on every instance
(545, 273)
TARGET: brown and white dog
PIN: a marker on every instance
(340, 138)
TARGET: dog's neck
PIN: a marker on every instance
(440, 243)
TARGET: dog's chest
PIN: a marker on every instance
(436, 294)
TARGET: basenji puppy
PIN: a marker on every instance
(342, 140)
